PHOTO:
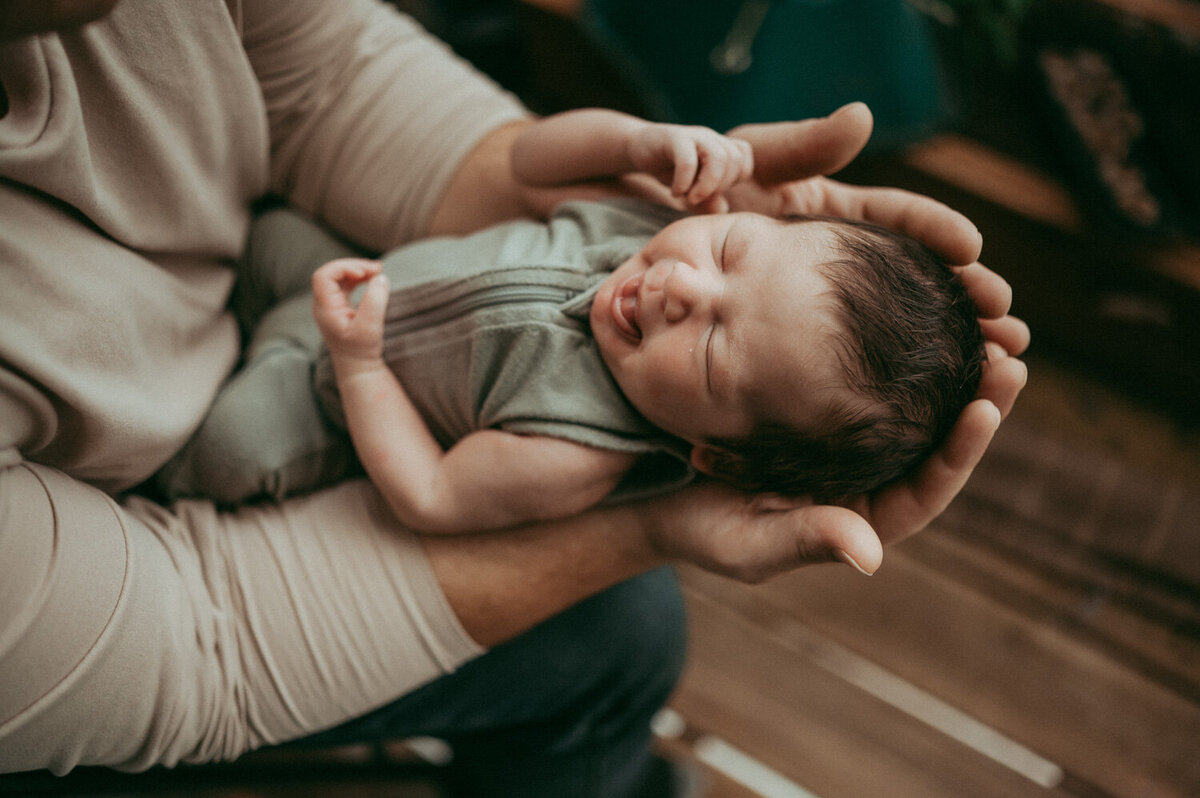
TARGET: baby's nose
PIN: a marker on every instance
(684, 291)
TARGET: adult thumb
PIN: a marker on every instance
(785, 151)
(831, 533)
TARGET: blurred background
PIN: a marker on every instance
(1043, 637)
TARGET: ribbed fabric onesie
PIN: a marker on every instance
(485, 331)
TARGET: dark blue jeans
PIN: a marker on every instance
(563, 710)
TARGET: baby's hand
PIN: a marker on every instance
(349, 331)
(697, 163)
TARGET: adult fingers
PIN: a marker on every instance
(990, 292)
(941, 228)
(785, 151)
(778, 540)
(752, 537)
(714, 204)
(906, 507)
(1002, 381)
(1009, 332)
(829, 533)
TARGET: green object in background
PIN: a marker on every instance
(805, 58)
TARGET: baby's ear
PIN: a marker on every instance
(713, 461)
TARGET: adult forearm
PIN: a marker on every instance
(503, 583)
(370, 117)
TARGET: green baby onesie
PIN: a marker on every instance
(486, 331)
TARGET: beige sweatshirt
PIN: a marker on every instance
(129, 155)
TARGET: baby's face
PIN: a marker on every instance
(722, 322)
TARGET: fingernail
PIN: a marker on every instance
(846, 558)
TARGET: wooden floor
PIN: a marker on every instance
(1042, 639)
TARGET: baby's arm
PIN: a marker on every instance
(487, 480)
(696, 163)
(491, 479)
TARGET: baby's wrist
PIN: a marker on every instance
(350, 364)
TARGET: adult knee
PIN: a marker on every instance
(636, 632)
(619, 653)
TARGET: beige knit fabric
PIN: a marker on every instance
(131, 634)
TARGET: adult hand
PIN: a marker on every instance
(752, 538)
(791, 159)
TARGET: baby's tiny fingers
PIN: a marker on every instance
(359, 271)
(713, 175)
(687, 162)
(326, 283)
(373, 305)
(350, 272)
(745, 157)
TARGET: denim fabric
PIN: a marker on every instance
(563, 710)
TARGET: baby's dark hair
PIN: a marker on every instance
(911, 350)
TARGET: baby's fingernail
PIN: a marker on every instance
(846, 558)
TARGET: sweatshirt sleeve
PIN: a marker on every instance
(201, 635)
(369, 115)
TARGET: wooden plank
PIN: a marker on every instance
(1105, 723)
(753, 681)
(1098, 483)
(998, 178)
(1101, 612)
(718, 785)
(1178, 15)
(1061, 404)
(1008, 183)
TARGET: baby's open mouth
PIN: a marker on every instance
(625, 307)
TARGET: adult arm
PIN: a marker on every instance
(370, 117)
